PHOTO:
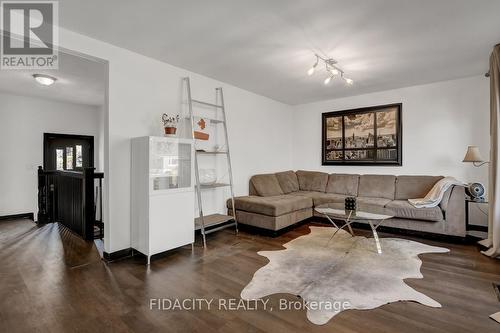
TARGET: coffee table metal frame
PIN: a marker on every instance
(371, 218)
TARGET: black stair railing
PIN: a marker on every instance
(68, 197)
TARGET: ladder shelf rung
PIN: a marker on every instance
(222, 226)
(199, 151)
(212, 220)
(214, 185)
(210, 120)
(206, 104)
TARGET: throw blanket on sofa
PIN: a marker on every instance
(435, 195)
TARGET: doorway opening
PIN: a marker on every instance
(61, 131)
(63, 153)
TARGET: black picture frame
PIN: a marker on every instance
(335, 151)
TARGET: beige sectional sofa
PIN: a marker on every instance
(279, 200)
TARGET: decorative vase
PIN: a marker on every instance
(170, 130)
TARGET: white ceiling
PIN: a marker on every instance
(79, 80)
(267, 46)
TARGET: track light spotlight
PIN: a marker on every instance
(327, 80)
(311, 70)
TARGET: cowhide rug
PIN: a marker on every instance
(346, 268)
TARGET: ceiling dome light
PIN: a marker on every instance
(327, 80)
(44, 80)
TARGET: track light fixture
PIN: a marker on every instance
(331, 69)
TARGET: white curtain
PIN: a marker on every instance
(493, 241)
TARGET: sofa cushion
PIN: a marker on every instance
(320, 198)
(343, 184)
(377, 186)
(312, 180)
(381, 202)
(288, 181)
(414, 187)
(309, 194)
(271, 206)
(403, 209)
(324, 198)
(266, 185)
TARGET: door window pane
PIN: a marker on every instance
(69, 158)
(59, 159)
(79, 157)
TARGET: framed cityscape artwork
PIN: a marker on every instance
(366, 136)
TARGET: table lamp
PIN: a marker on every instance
(474, 156)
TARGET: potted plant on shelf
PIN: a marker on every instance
(170, 124)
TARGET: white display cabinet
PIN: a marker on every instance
(162, 194)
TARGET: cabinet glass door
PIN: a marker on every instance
(170, 164)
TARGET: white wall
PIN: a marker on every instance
(140, 90)
(23, 120)
(439, 121)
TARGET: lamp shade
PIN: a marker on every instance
(473, 155)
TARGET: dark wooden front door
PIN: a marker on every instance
(67, 152)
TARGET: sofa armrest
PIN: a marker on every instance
(446, 199)
(453, 206)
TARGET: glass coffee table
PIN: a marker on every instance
(371, 214)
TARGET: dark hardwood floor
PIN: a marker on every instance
(51, 281)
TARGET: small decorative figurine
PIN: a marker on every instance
(200, 130)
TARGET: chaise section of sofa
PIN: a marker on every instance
(279, 200)
(268, 206)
